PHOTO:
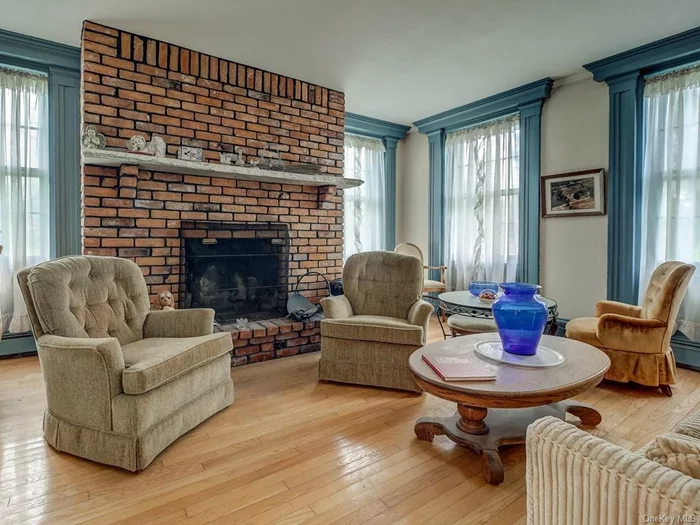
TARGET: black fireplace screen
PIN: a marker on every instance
(238, 270)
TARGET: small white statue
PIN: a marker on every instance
(155, 148)
(240, 161)
(227, 158)
(93, 139)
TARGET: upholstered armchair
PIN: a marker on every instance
(369, 333)
(637, 338)
(429, 285)
(122, 382)
(574, 478)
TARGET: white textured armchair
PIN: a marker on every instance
(574, 478)
(369, 333)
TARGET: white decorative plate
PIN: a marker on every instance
(544, 358)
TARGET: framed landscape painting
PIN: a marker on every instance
(574, 194)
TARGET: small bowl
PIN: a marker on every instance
(476, 287)
(488, 296)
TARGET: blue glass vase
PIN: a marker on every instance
(476, 287)
(520, 318)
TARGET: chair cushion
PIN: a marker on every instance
(471, 324)
(676, 451)
(90, 297)
(429, 284)
(377, 328)
(134, 414)
(584, 329)
(155, 361)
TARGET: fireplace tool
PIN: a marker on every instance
(299, 307)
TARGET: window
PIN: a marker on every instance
(482, 173)
(25, 192)
(364, 206)
(671, 183)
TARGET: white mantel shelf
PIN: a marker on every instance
(104, 157)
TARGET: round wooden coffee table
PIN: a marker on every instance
(495, 413)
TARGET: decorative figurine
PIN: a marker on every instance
(255, 163)
(93, 139)
(165, 301)
(189, 153)
(241, 323)
(227, 158)
(155, 148)
(240, 161)
(276, 161)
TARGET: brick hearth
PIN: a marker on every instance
(136, 85)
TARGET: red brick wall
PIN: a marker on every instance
(135, 85)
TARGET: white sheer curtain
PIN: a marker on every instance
(24, 186)
(481, 203)
(365, 206)
(671, 187)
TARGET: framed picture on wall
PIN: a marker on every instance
(573, 194)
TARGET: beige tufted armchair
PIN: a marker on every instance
(369, 333)
(637, 338)
(122, 382)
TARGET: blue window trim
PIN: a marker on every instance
(527, 101)
(624, 74)
(62, 64)
(390, 134)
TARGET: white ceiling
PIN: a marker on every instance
(399, 60)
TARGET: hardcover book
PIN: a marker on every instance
(458, 368)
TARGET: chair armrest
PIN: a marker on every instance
(614, 307)
(574, 478)
(82, 376)
(419, 315)
(631, 334)
(336, 307)
(192, 322)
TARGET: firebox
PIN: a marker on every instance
(239, 270)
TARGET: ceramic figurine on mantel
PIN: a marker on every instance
(276, 162)
(189, 153)
(227, 158)
(240, 161)
(93, 139)
(155, 148)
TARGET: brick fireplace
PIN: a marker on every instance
(136, 85)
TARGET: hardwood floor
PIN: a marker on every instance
(291, 450)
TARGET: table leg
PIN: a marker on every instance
(484, 431)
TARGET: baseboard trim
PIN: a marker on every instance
(17, 346)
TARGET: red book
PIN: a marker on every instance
(458, 368)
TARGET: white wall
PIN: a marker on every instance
(413, 191)
(573, 251)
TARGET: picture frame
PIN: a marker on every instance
(573, 194)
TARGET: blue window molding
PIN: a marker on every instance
(62, 64)
(390, 134)
(527, 102)
(624, 74)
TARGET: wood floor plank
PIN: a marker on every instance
(290, 451)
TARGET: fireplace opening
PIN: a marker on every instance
(239, 270)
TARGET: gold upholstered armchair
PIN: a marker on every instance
(122, 382)
(637, 338)
(369, 333)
